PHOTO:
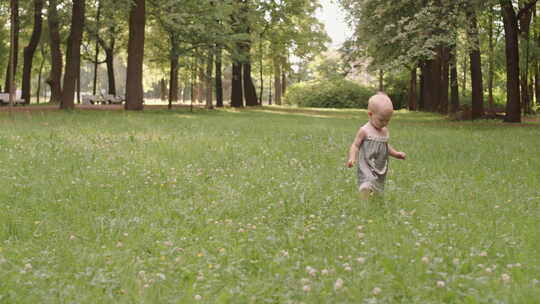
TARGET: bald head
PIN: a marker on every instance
(380, 103)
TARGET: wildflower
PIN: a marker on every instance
(376, 290)
(284, 253)
(311, 271)
(440, 284)
(324, 271)
(161, 276)
(338, 284)
(455, 261)
(483, 254)
(72, 237)
(168, 243)
(425, 259)
(198, 297)
(119, 244)
(28, 266)
(306, 288)
(361, 235)
(361, 260)
(505, 277)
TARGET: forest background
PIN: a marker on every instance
(476, 58)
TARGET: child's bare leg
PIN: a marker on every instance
(364, 194)
(365, 191)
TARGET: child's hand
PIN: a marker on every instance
(350, 163)
(401, 155)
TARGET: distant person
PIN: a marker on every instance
(370, 149)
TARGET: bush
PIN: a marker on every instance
(330, 94)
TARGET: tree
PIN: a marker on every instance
(73, 54)
(134, 86)
(477, 109)
(13, 57)
(30, 50)
(55, 76)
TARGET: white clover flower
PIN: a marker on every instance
(376, 290)
(324, 271)
(338, 284)
(168, 243)
(455, 261)
(72, 237)
(311, 271)
(306, 288)
(161, 276)
(483, 254)
(440, 284)
(361, 260)
(28, 266)
(197, 297)
(489, 270)
(425, 259)
(505, 277)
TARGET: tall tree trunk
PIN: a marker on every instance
(13, 56)
(432, 85)
(12, 51)
(109, 61)
(261, 74)
(96, 55)
(513, 107)
(55, 77)
(134, 84)
(277, 81)
(535, 65)
(73, 54)
(208, 79)
(524, 26)
(30, 50)
(491, 61)
(219, 83)
(445, 67)
(477, 109)
(173, 80)
(237, 98)
(201, 83)
(40, 73)
(423, 85)
(465, 70)
(454, 86)
(250, 94)
(269, 91)
(412, 90)
(163, 89)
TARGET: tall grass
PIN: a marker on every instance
(256, 206)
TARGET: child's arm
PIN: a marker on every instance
(396, 154)
(353, 151)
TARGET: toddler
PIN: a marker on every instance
(370, 148)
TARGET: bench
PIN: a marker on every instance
(92, 99)
(4, 100)
(111, 99)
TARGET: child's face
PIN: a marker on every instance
(380, 120)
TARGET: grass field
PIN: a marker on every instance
(256, 206)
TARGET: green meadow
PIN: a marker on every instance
(256, 206)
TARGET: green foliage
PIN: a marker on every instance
(337, 93)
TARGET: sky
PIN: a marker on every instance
(333, 18)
